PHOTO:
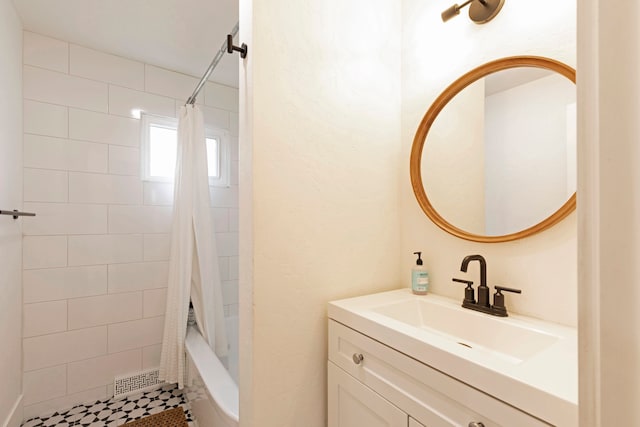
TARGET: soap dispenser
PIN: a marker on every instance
(419, 277)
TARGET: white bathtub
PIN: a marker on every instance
(212, 393)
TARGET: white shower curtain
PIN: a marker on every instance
(193, 264)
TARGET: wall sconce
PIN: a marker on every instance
(480, 11)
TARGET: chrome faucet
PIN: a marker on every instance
(483, 304)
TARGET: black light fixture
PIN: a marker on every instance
(480, 11)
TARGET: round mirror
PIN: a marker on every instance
(494, 157)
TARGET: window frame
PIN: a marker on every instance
(220, 135)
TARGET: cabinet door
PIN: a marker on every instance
(352, 404)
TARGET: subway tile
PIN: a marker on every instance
(104, 128)
(104, 309)
(55, 349)
(135, 334)
(44, 251)
(138, 276)
(155, 301)
(157, 247)
(220, 218)
(158, 193)
(44, 384)
(124, 160)
(230, 292)
(48, 407)
(234, 269)
(231, 310)
(215, 117)
(45, 185)
(227, 244)
(140, 219)
(44, 318)
(50, 284)
(105, 67)
(130, 103)
(104, 249)
(87, 156)
(234, 219)
(151, 356)
(62, 89)
(45, 152)
(220, 96)
(45, 52)
(55, 153)
(100, 371)
(224, 197)
(65, 218)
(46, 119)
(100, 188)
(234, 175)
(169, 83)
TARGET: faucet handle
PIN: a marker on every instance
(469, 293)
(498, 300)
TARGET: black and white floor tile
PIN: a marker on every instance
(112, 412)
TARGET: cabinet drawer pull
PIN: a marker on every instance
(358, 358)
(476, 424)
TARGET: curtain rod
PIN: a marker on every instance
(227, 47)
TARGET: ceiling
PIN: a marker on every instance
(164, 33)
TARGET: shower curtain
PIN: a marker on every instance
(193, 264)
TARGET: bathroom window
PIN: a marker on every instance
(159, 150)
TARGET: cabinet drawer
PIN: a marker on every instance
(430, 396)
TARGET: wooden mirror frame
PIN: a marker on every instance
(415, 164)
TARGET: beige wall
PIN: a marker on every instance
(434, 54)
(10, 230)
(319, 177)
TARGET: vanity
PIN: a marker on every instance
(398, 359)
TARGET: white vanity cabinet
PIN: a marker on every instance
(371, 384)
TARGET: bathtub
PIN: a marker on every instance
(211, 391)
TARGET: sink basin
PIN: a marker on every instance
(513, 341)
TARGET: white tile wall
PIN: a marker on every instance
(140, 219)
(151, 356)
(104, 249)
(44, 251)
(51, 284)
(44, 318)
(96, 255)
(100, 371)
(46, 185)
(104, 67)
(44, 384)
(137, 276)
(155, 301)
(104, 309)
(104, 128)
(129, 103)
(46, 119)
(139, 333)
(55, 349)
(65, 218)
(101, 188)
(124, 160)
(63, 89)
(156, 247)
(45, 52)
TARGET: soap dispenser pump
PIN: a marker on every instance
(419, 277)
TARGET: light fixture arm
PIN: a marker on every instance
(480, 11)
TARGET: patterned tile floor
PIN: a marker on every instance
(112, 412)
